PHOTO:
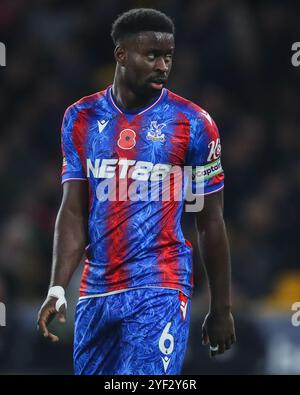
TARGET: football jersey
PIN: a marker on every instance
(138, 242)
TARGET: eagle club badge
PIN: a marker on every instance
(155, 133)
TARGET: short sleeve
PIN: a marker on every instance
(72, 168)
(205, 155)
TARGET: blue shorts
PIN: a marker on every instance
(140, 331)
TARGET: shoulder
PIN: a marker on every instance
(85, 104)
(200, 120)
(188, 107)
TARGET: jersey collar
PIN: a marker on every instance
(139, 111)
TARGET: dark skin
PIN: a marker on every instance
(144, 62)
(142, 59)
(218, 327)
(70, 239)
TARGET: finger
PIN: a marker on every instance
(205, 339)
(42, 327)
(45, 317)
(44, 331)
(221, 347)
(52, 337)
(61, 318)
(233, 338)
(62, 315)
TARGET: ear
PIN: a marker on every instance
(120, 55)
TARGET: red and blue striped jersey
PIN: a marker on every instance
(136, 242)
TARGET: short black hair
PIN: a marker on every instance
(140, 20)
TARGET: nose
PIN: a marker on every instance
(161, 64)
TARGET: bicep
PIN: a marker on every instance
(75, 197)
(212, 210)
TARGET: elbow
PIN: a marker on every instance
(212, 224)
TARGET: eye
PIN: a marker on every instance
(151, 56)
(169, 56)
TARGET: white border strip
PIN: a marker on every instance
(142, 112)
(127, 289)
(154, 104)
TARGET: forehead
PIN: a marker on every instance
(144, 41)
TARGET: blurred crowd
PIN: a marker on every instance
(233, 58)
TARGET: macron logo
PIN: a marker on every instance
(166, 362)
(101, 125)
(183, 307)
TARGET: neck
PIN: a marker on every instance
(126, 98)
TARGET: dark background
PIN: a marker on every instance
(233, 58)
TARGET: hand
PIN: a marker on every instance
(45, 316)
(218, 331)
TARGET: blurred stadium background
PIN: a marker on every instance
(234, 59)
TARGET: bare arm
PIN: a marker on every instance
(70, 239)
(218, 327)
(70, 235)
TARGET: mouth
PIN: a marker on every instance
(158, 83)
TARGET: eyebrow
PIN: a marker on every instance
(156, 50)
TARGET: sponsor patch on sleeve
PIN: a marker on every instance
(202, 173)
